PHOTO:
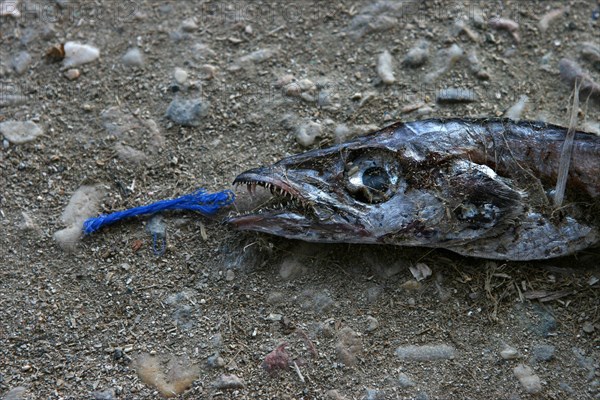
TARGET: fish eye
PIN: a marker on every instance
(370, 179)
(376, 179)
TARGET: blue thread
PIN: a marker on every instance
(201, 201)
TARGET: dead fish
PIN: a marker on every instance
(478, 187)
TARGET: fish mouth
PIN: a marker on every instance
(286, 205)
(295, 209)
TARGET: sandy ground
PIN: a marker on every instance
(80, 324)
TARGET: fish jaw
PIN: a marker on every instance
(298, 209)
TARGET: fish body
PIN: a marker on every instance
(478, 187)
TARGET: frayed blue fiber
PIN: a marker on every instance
(201, 201)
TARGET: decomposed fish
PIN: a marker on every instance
(478, 187)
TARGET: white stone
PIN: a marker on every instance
(180, 75)
(78, 54)
(509, 353)
(133, 57)
(84, 203)
(18, 132)
(385, 69)
(531, 382)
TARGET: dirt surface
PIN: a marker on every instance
(79, 324)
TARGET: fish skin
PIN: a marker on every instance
(478, 187)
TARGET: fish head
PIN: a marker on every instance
(324, 195)
(377, 189)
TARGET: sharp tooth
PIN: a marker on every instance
(253, 186)
(249, 188)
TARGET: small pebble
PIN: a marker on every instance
(456, 95)
(307, 133)
(549, 17)
(318, 301)
(215, 361)
(77, 54)
(376, 17)
(374, 394)
(72, 74)
(509, 353)
(208, 71)
(421, 395)
(420, 271)
(588, 327)
(304, 89)
(258, 56)
(189, 25)
(20, 63)
(461, 26)
(530, 381)
(372, 323)
(28, 224)
(334, 395)
(16, 393)
(516, 110)
(476, 67)
(508, 25)
(19, 132)
(133, 57)
(477, 17)
(425, 352)
(373, 294)
(543, 352)
(404, 381)
(170, 375)
(385, 68)
(187, 112)
(344, 133)
(108, 394)
(348, 347)
(277, 360)
(591, 51)
(84, 203)
(417, 55)
(229, 382)
(571, 72)
(444, 60)
(137, 139)
(9, 99)
(201, 51)
(284, 80)
(291, 268)
(180, 75)
(229, 275)
(565, 387)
